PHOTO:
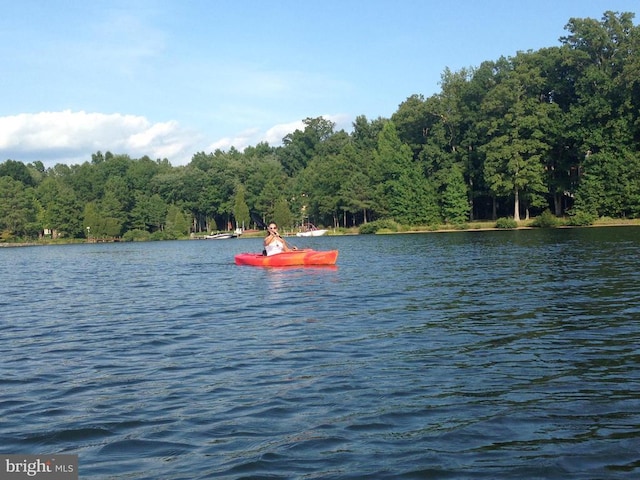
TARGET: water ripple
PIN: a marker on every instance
(463, 355)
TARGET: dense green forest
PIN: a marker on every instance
(554, 129)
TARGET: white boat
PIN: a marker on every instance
(312, 231)
(220, 236)
(225, 235)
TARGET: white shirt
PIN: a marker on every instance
(276, 246)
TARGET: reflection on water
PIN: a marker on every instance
(460, 355)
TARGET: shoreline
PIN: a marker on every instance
(634, 223)
(616, 223)
(24, 244)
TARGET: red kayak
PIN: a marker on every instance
(288, 259)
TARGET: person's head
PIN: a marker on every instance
(272, 227)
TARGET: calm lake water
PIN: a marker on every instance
(497, 355)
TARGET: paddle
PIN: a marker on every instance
(261, 224)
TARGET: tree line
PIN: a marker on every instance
(554, 129)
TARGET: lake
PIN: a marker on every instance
(497, 355)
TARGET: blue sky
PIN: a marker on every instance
(169, 78)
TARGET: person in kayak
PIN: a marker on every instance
(273, 242)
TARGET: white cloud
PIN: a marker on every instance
(71, 137)
(153, 133)
(276, 133)
(273, 136)
(239, 141)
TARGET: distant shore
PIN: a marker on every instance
(470, 227)
(23, 244)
